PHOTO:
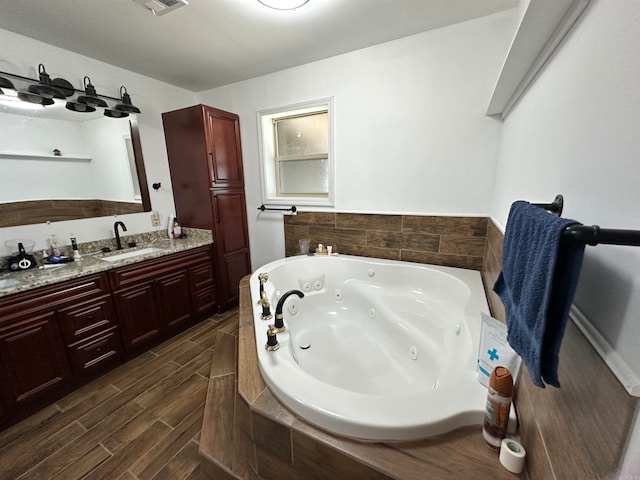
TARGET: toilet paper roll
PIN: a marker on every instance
(512, 455)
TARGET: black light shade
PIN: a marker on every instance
(29, 96)
(115, 113)
(5, 83)
(90, 96)
(79, 107)
(126, 105)
(44, 88)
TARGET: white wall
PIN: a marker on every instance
(411, 135)
(576, 132)
(21, 55)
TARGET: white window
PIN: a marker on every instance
(296, 154)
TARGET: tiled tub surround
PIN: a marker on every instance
(270, 442)
(91, 262)
(438, 240)
(580, 429)
(576, 431)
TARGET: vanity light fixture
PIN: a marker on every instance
(283, 4)
(44, 87)
(126, 105)
(43, 91)
(90, 96)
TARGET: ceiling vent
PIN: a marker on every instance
(160, 7)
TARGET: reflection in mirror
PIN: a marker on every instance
(62, 165)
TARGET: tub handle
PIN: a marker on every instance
(272, 340)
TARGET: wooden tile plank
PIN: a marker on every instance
(87, 462)
(216, 439)
(169, 446)
(313, 456)
(182, 465)
(250, 383)
(86, 396)
(223, 359)
(121, 461)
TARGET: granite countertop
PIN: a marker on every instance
(155, 244)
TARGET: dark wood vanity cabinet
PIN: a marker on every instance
(53, 339)
(205, 159)
(164, 295)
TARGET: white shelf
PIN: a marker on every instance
(25, 156)
(542, 28)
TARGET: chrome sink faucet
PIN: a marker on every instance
(115, 229)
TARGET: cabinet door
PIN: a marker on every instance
(175, 299)
(225, 152)
(231, 233)
(33, 359)
(232, 244)
(140, 318)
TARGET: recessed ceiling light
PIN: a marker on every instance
(283, 4)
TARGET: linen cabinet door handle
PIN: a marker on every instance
(213, 168)
(217, 209)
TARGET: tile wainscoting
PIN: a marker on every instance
(451, 241)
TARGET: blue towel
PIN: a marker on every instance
(537, 283)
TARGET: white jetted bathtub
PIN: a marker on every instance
(377, 350)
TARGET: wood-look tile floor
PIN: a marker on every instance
(139, 421)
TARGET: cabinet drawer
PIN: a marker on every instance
(136, 273)
(96, 350)
(52, 296)
(201, 277)
(86, 319)
(205, 301)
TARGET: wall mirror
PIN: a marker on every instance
(62, 165)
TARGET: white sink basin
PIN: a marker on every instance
(8, 282)
(131, 254)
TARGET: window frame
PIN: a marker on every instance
(266, 146)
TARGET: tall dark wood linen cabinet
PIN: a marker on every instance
(205, 160)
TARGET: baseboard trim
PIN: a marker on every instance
(614, 361)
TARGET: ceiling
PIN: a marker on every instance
(210, 43)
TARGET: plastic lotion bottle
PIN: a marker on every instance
(499, 397)
(176, 229)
